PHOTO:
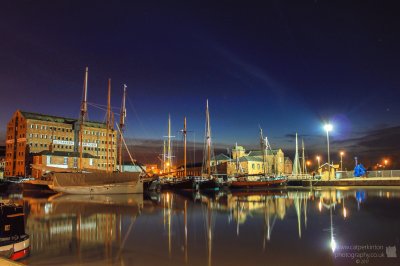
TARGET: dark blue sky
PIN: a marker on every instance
(286, 65)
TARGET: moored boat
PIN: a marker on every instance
(188, 183)
(14, 243)
(244, 183)
(97, 183)
(209, 184)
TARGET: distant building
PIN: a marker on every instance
(288, 166)
(323, 171)
(243, 163)
(253, 161)
(31, 133)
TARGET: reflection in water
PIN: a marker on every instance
(285, 227)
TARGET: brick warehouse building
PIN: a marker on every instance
(29, 134)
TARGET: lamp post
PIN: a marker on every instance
(341, 161)
(328, 127)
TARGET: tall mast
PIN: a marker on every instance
(184, 148)
(108, 123)
(208, 137)
(303, 158)
(262, 144)
(83, 117)
(169, 144)
(121, 126)
(164, 157)
(237, 158)
(296, 165)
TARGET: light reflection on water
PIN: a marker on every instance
(279, 227)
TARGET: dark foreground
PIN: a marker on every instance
(328, 226)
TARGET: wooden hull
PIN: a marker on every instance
(257, 184)
(97, 183)
(123, 188)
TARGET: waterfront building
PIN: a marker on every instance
(253, 162)
(288, 165)
(323, 171)
(248, 163)
(29, 134)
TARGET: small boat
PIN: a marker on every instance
(244, 183)
(14, 243)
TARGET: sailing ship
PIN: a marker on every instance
(99, 182)
(208, 181)
(259, 181)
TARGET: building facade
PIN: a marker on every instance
(253, 161)
(31, 133)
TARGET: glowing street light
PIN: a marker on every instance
(341, 160)
(318, 160)
(385, 161)
(328, 127)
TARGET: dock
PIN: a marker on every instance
(371, 181)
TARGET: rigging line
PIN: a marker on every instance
(103, 109)
(126, 146)
(137, 116)
(102, 105)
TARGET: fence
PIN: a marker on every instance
(383, 173)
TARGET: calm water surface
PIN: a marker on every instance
(289, 227)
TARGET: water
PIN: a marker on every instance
(290, 227)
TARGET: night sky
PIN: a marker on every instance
(285, 65)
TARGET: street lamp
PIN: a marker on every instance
(328, 127)
(318, 160)
(341, 161)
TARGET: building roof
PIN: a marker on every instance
(66, 154)
(331, 165)
(221, 157)
(59, 119)
(260, 153)
(250, 159)
(238, 148)
(287, 159)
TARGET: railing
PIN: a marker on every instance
(300, 177)
(382, 174)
